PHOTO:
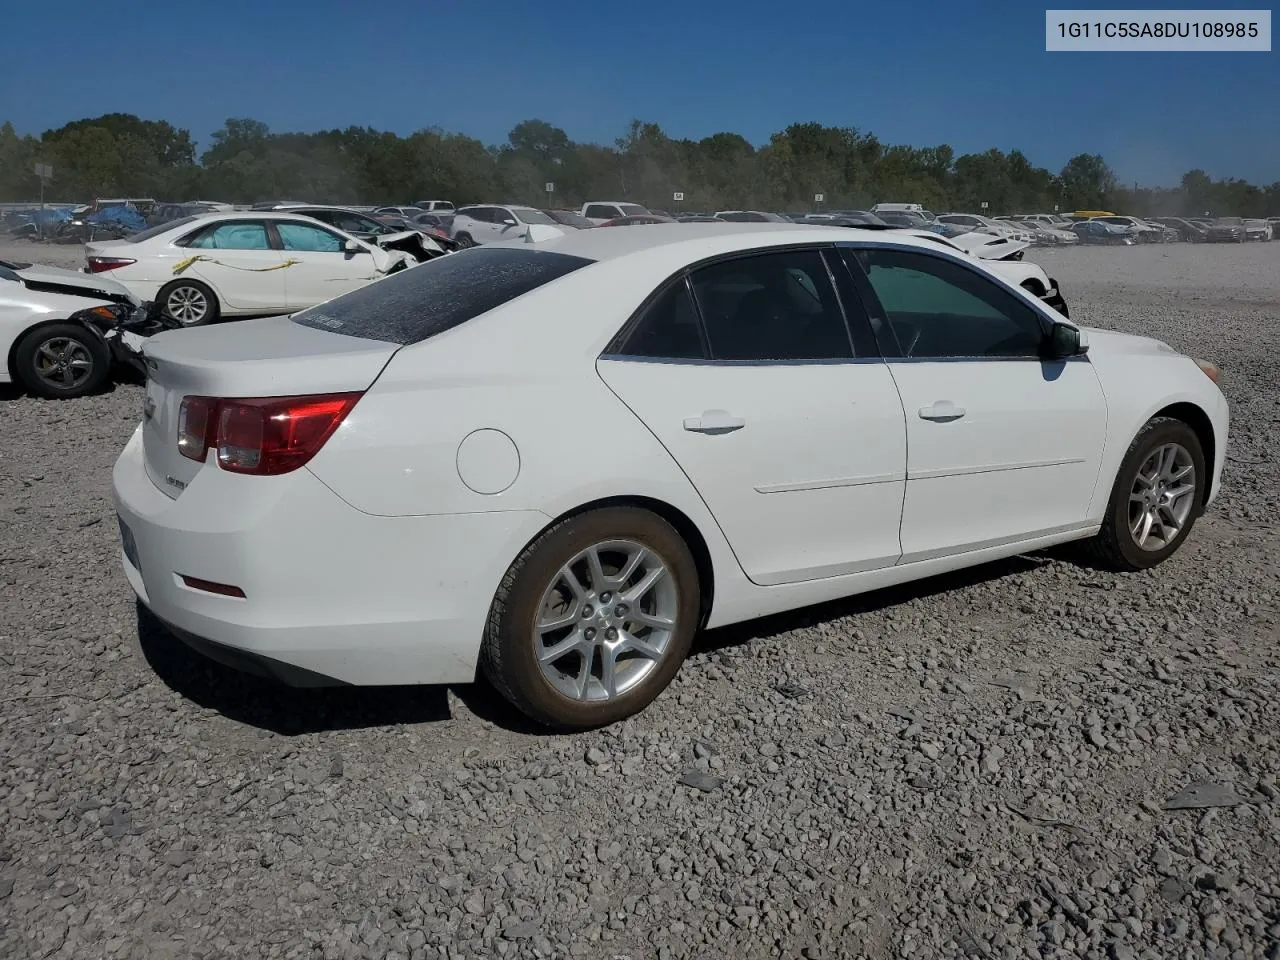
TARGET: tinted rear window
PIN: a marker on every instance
(440, 294)
(157, 230)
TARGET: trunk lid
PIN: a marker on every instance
(73, 283)
(273, 357)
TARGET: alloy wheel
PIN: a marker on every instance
(606, 620)
(1162, 496)
(187, 305)
(63, 362)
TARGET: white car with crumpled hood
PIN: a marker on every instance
(241, 264)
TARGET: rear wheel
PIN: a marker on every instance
(1156, 498)
(594, 618)
(61, 360)
(464, 240)
(189, 302)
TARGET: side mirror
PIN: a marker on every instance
(352, 247)
(509, 222)
(1065, 340)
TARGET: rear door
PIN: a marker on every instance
(319, 268)
(783, 417)
(236, 259)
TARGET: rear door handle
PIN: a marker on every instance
(714, 421)
(943, 411)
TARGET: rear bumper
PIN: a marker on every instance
(330, 593)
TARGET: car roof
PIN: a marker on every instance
(698, 240)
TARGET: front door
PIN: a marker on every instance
(792, 436)
(1001, 445)
(319, 266)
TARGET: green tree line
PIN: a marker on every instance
(123, 155)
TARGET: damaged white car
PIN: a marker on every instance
(1004, 256)
(198, 269)
(60, 331)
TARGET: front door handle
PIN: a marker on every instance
(943, 411)
(714, 421)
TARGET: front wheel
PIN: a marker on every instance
(1156, 498)
(464, 240)
(61, 360)
(593, 619)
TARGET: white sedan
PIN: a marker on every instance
(49, 328)
(557, 461)
(258, 263)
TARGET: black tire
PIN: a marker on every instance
(36, 369)
(464, 240)
(192, 291)
(1114, 546)
(509, 652)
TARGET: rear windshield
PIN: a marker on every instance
(632, 210)
(440, 294)
(162, 228)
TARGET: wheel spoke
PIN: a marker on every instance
(1144, 527)
(609, 669)
(640, 618)
(646, 583)
(569, 644)
(571, 580)
(629, 568)
(595, 571)
(1182, 474)
(642, 646)
(559, 622)
(584, 671)
(1177, 493)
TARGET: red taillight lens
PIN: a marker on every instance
(103, 264)
(261, 435)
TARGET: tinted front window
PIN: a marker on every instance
(303, 237)
(440, 294)
(633, 210)
(156, 231)
(351, 222)
(939, 308)
(667, 329)
(776, 306)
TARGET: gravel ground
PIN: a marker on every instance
(978, 765)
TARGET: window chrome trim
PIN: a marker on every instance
(703, 362)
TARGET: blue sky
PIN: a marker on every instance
(973, 75)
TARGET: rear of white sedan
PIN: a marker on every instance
(236, 543)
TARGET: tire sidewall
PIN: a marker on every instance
(24, 360)
(210, 297)
(1169, 431)
(511, 630)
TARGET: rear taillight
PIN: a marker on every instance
(260, 435)
(103, 264)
